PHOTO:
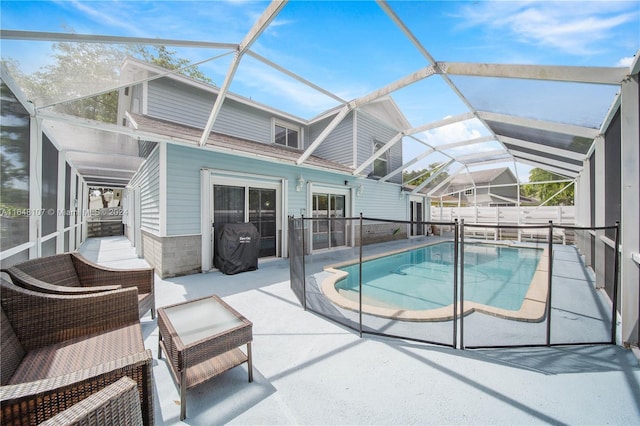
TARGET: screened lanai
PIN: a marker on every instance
(567, 104)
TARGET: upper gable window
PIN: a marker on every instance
(286, 134)
(380, 164)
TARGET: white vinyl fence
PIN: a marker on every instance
(520, 216)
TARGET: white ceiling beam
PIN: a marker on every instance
(323, 135)
(465, 158)
(481, 139)
(494, 161)
(593, 75)
(407, 32)
(258, 28)
(295, 76)
(433, 176)
(557, 170)
(100, 125)
(110, 178)
(101, 153)
(441, 123)
(446, 181)
(92, 38)
(378, 153)
(546, 160)
(421, 74)
(566, 129)
(107, 169)
(543, 148)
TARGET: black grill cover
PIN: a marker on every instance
(237, 247)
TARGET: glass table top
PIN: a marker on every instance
(200, 319)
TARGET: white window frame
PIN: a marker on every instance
(385, 157)
(288, 126)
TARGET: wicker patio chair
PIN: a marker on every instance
(60, 349)
(117, 404)
(70, 273)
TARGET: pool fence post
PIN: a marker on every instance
(550, 258)
(616, 266)
(360, 279)
(455, 283)
(304, 272)
(461, 255)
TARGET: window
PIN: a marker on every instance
(468, 191)
(286, 135)
(380, 164)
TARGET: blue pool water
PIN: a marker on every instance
(422, 278)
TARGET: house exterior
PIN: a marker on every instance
(250, 170)
(484, 188)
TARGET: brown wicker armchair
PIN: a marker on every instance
(117, 404)
(59, 349)
(70, 273)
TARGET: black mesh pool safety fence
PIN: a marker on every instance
(455, 284)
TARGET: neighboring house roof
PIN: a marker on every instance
(233, 145)
(480, 177)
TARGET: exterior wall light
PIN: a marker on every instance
(300, 184)
(360, 190)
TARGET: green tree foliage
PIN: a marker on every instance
(545, 190)
(167, 59)
(79, 70)
(416, 177)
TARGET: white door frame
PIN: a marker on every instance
(320, 188)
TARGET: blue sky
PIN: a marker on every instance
(351, 48)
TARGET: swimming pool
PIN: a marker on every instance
(502, 280)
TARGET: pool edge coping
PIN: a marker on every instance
(533, 308)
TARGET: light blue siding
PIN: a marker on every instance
(148, 179)
(183, 187)
(381, 200)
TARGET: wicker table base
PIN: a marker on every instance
(201, 339)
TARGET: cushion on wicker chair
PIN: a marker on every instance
(78, 354)
(11, 350)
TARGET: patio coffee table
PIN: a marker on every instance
(201, 339)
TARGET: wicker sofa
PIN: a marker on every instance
(60, 349)
(70, 273)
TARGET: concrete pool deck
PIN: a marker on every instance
(310, 371)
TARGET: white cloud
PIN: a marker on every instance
(625, 62)
(572, 27)
(269, 86)
(455, 132)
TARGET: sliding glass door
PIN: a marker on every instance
(239, 204)
(328, 233)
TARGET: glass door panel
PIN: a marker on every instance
(337, 227)
(320, 227)
(228, 204)
(262, 213)
(328, 233)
